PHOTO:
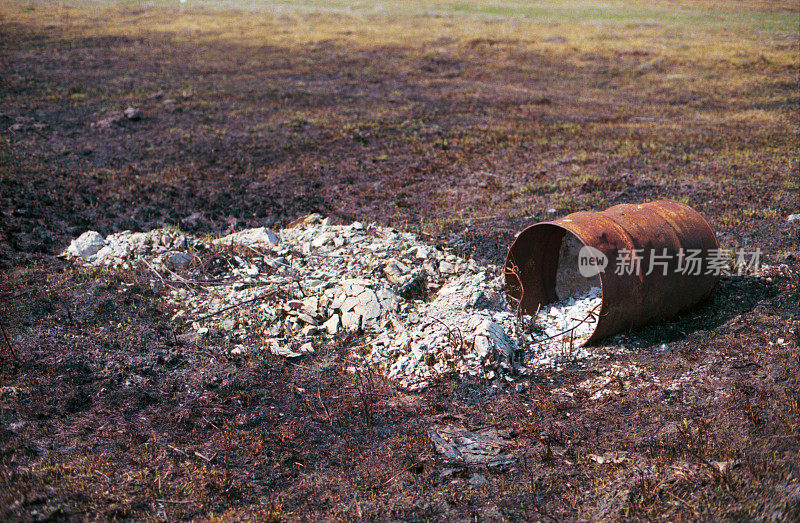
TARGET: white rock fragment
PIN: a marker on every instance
(132, 113)
(332, 325)
(393, 272)
(85, 245)
(322, 239)
(261, 237)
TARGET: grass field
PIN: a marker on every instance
(463, 121)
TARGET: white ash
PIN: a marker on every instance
(424, 311)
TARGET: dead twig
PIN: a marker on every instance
(394, 477)
(209, 422)
(234, 306)
(177, 451)
(201, 456)
(327, 412)
(8, 342)
(457, 343)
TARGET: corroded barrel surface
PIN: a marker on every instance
(658, 258)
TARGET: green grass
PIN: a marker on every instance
(711, 16)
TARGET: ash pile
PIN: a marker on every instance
(423, 312)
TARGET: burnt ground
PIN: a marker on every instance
(107, 411)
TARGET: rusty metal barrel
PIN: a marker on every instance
(640, 253)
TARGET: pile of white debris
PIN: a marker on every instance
(424, 311)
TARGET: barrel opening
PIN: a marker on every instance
(543, 267)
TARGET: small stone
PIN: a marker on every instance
(322, 239)
(332, 325)
(228, 324)
(180, 259)
(445, 267)
(131, 113)
(295, 304)
(309, 330)
(482, 346)
(282, 350)
(261, 236)
(338, 301)
(307, 319)
(793, 218)
(351, 320)
(86, 245)
(478, 480)
(370, 310)
(393, 273)
(107, 122)
(350, 303)
(307, 348)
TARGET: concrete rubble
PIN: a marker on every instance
(423, 311)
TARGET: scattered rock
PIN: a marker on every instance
(614, 458)
(478, 480)
(260, 236)
(133, 114)
(419, 321)
(108, 121)
(86, 245)
(283, 350)
(793, 218)
(333, 324)
(181, 259)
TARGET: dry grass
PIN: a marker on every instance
(465, 121)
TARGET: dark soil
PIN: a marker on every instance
(107, 409)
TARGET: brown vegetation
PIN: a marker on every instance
(462, 126)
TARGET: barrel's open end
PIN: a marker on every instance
(543, 266)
